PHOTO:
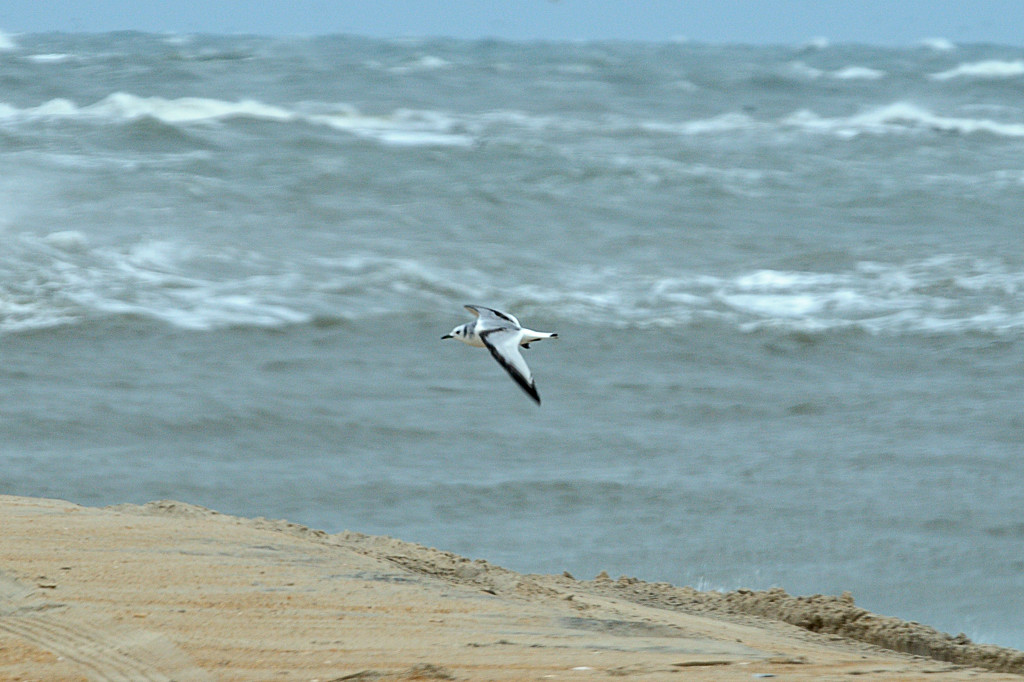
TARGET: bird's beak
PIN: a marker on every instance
(446, 336)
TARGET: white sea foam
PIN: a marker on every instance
(402, 127)
(7, 42)
(184, 110)
(857, 73)
(817, 43)
(854, 72)
(53, 58)
(895, 118)
(930, 296)
(943, 295)
(899, 117)
(125, 107)
(58, 279)
(61, 279)
(422, 63)
(946, 295)
(988, 69)
(178, 39)
(938, 44)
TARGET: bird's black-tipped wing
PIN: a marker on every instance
(493, 317)
(504, 346)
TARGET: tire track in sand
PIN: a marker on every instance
(100, 648)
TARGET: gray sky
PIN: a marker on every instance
(885, 22)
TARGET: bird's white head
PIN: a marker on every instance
(457, 333)
(464, 333)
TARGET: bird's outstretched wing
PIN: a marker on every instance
(503, 343)
(489, 315)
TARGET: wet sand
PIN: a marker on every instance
(170, 591)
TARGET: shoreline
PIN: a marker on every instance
(172, 591)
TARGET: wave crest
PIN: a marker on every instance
(7, 42)
(410, 127)
(61, 279)
(987, 69)
(403, 127)
(899, 117)
(942, 295)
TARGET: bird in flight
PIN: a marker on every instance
(502, 334)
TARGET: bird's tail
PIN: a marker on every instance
(529, 335)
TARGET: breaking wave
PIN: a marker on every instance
(990, 69)
(900, 117)
(7, 42)
(942, 295)
(60, 279)
(435, 128)
(408, 127)
(401, 127)
(858, 73)
(938, 44)
(892, 119)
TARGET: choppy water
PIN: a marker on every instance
(788, 281)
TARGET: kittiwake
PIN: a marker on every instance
(502, 334)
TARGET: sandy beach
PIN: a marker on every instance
(170, 591)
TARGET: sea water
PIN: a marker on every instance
(788, 283)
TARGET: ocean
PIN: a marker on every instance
(788, 283)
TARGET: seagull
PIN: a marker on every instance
(502, 334)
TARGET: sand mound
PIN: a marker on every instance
(169, 591)
(831, 615)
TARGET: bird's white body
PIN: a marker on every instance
(502, 335)
(470, 335)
